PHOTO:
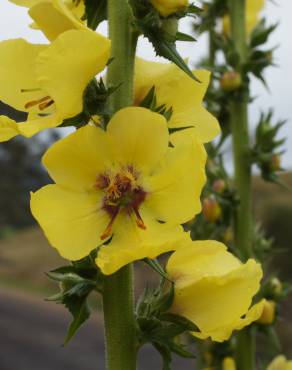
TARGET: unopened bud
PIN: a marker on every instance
(228, 236)
(276, 285)
(208, 357)
(275, 164)
(170, 25)
(268, 315)
(219, 186)
(228, 364)
(211, 209)
(230, 81)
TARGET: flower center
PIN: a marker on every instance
(121, 193)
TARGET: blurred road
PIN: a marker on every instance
(31, 335)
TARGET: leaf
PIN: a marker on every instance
(96, 12)
(79, 309)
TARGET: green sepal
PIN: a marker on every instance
(76, 282)
(158, 326)
(150, 102)
(155, 265)
(95, 12)
(180, 36)
(148, 22)
(261, 33)
(78, 307)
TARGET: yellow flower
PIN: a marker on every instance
(168, 7)
(177, 90)
(214, 289)
(125, 183)
(48, 82)
(253, 8)
(54, 17)
(280, 363)
(228, 364)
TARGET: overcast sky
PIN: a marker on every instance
(14, 23)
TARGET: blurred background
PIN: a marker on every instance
(32, 330)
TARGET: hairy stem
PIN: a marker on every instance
(245, 350)
(118, 301)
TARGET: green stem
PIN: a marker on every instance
(118, 300)
(119, 320)
(245, 347)
(124, 40)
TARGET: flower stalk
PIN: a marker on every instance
(245, 351)
(118, 300)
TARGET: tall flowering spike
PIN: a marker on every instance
(48, 81)
(280, 363)
(253, 8)
(125, 185)
(176, 89)
(168, 7)
(214, 289)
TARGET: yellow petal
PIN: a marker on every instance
(77, 8)
(65, 68)
(280, 363)
(17, 72)
(200, 258)
(130, 243)
(177, 90)
(214, 290)
(8, 128)
(77, 160)
(72, 221)
(167, 7)
(138, 137)
(175, 188)
(25, 3)
(53, 17)
(36, 123)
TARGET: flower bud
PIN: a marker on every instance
(170, 25)
(208, 357)
(276, 286)
(211, 209)
(230, 81)
(228, 364)
(166, 7)
(268, 314)
(219, 186)
(275, 163)
(228, 235)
